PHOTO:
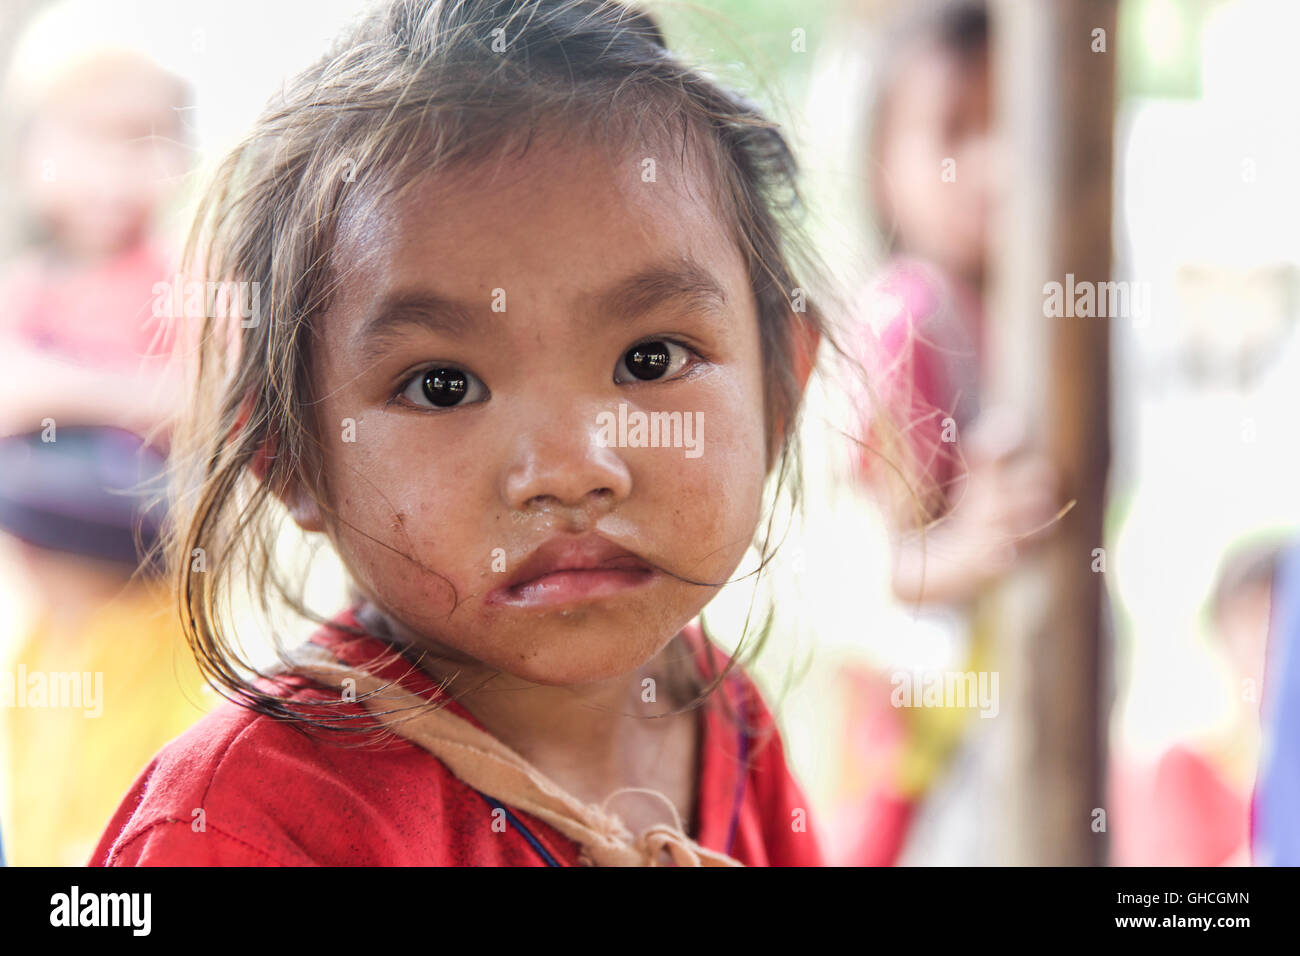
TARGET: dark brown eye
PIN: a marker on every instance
(649, 360)
(445, 387)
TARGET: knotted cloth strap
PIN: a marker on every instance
(489, 766)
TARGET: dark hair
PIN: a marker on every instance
(423, 85)
(957, 27)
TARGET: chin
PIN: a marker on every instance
(573, 648)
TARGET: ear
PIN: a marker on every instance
(302, 507)
(804, 339)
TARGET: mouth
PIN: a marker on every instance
(566, 571)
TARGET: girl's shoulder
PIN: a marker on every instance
(910, 306)
(768, 820)
(244, 788)
(227, 791)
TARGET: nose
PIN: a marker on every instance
(559, 464)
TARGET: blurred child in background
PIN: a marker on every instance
(99, 149)
(978, 492)
(1191, 807)
(87, 377)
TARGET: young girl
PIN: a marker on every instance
(481, 232)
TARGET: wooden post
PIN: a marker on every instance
(1054, 96)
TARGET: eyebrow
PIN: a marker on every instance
(683, 283)
(411, 310)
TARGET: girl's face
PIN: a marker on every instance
(470, 374)
(103, 153)
(936, 121)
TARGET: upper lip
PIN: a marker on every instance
(589, 552)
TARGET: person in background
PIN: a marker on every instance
(979, 492)
(1191, 807)
(87, 379)
(99, 150)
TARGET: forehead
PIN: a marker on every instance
(115, 91)
(554, 220)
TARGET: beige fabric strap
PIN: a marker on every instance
(489, 766)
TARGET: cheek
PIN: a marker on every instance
(911, 175)
(712, 503)
(405, 525)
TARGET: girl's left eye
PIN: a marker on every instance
(444, 387)
(651, 361)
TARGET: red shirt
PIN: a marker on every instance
(271, 795)
(1181, 811)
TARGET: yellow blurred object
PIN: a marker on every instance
(934, 732)
(66, 769)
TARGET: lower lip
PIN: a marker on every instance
(572, 587)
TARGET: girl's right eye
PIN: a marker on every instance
(444, 387)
